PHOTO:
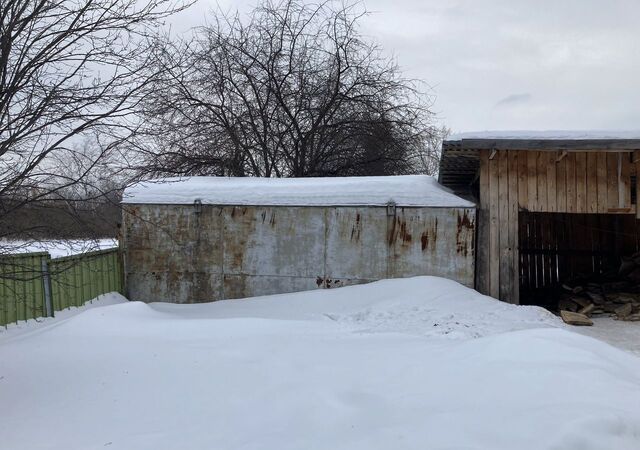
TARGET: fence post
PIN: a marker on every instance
(46, 278)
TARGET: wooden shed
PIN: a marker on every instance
(549, 207)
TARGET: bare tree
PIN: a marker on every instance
(293, 90)
(70, 70)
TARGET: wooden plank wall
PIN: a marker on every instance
(541, 181)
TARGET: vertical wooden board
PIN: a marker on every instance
(570, 173)
(3, 297)
(612, 180)
(592, 183)
(494, 230)
(537, 256)
(602, 182)
(553, 250)
(111, 264)
(561, 184)
(503, 220)
(636, 161)
(39, 294)
(482, 243)
(21, 289)
(541, 158)
(523, 242)
(532, 181)
(67, 277)
(523, 184)
(594, 228)
(540, 257)
(551, 182)
(624, 183)
(582, 200)
(546, 236)
(12, 303)
(484, 178)
(55, 294)
(513, 227)
(561, 237)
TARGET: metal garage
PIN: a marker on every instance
(209, 238)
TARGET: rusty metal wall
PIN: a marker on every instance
(174, 253)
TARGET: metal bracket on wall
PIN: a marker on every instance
(391, 209)
(197, 206)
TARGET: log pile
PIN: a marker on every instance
(614, 294)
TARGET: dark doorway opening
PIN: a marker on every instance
(559, 252)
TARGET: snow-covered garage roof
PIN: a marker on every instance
(405, 190)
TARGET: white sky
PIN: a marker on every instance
(509, 64)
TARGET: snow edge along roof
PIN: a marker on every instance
(404, 191)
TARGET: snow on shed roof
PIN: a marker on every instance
(549, 135)
(405, 190)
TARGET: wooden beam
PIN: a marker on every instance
(482, 244)
(592, 183)
(494, 230)
(621, 184)
(541, 180)
(582, 196)
(505, 274)
(572, 201)
(601, 173)
(613, 181)
(532, 181)
(513, 259)
(561, 184)
(551, 183)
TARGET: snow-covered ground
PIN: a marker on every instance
(57, 248)
(420, 363)
(621, 334)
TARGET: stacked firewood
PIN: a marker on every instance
(615, 294)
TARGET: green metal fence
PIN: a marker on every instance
(33, 285)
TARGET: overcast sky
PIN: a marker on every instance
(509, 64)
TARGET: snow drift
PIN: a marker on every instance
(412, 364)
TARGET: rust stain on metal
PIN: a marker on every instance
(392, 233)
(399, 229)
(435, 231)
(424, 239)
(404, 233)
(356, 229)
(464, 234)
(327, 283)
